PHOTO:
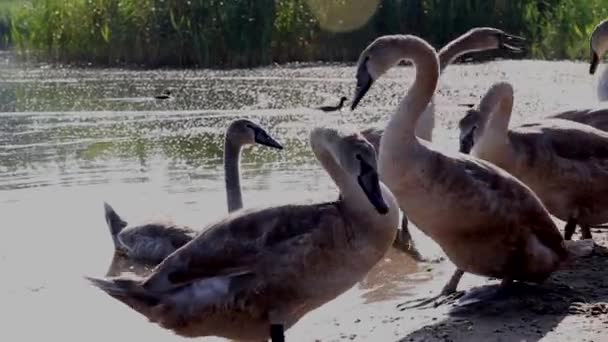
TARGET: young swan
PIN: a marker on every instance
(570, 178)
(470, 207)
(599, 46)
(478, 39)
(154, 241)
(257, 272)
(475, 40)
(597, 118)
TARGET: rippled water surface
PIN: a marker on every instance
(73, 138)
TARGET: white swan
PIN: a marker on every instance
(470, 207)
(475, 40)
(152, 242)
(599, 46)
(564, 162)
(257, 272)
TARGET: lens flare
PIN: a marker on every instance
(342, 15)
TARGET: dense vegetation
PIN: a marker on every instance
(239, 33)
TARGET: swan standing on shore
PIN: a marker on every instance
(486, 221)
(562, 161)
(255, 273)
(475, 40)
(154, 241)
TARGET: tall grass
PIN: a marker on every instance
(6, 9)
(241, 33)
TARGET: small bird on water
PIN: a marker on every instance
(334, 108)
(164, 95)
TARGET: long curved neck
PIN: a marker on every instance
(323, 145)
(602, 85)
(454, 49)
(495, 109)
(402, 124)
(232, 156)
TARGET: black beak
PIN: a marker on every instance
(467, 141)
(263, 138)
(369, 182)
(363, 84)
(468, 105)
(511, 42)
(595, 61)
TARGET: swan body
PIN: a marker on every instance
(258, 271)
(154, 241)
(599, 46)
(470, 207)
(570, 178)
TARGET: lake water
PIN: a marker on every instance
(71, 139)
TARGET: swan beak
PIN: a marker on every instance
(511, 42)
(467, 141)
(595, 61)
(370, 184)
(362, 88)
(263, 138)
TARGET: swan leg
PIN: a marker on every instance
(447, 293)
(403, 242)
(586, 232)
(569, 229)
(277, 333)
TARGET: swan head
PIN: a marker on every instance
(599, 45)
(381, 55)
(357, 158)
(468, 127)
(487, 38)
(472, 124)
(245, 132)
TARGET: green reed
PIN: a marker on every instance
(243, 33)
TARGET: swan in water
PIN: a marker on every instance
(475, 40)
(470, 207)
(562, 161)
(256, 272)
(154, 241)
(334, 108)
(599, 46)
